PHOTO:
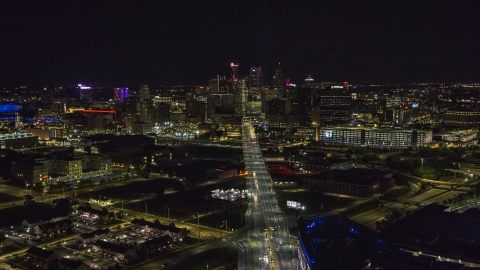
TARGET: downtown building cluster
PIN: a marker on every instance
(366, 114)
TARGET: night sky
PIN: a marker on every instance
(181, 42)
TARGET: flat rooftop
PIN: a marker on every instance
(334, 242)
(457, 232)
(356, 176)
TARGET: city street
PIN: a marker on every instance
(272, 248)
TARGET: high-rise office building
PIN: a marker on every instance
(255, 83)
(335, 105)
(233, 79)
(145, 111)
(279, 82)
(120, 94)
(214, 86)
(217, 101)
(254, 104)
(162, 113)
(241, 97)
(221, 100)
(222, 84)
(162, 108)
(190, 104)
(144, 92)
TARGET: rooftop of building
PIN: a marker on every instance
(71, 264)
(156, 225)
(356, 176)
(111, 246)
(11, 136)
(462, 109)
(323, 237)
(326, 161)
(457, 132)
(158, 240)
(94, 233)
(52, 225)
(458, 232)
(40, 252)
(88, 209)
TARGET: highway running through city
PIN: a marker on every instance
(272, 248)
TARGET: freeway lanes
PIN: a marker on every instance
(270, 236)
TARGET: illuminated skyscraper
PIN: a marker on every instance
(145, 112)
(232, 80)
(241, 97)
(120, 94)
(214, 86)
(255, 83)
(335, 105)
(279, 82)
(144, 92)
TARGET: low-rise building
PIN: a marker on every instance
(94, 214)
(97, 162)
(375, 137)
(160, 229)
(156, 244)
(18, 140)
(122, 253)
(68, 166)
(88, 238)
(68, 264)
(279, 167)
(353, 182)
(221, 173)
(40, 256)
(320, 165)
(61, 227)
(29, 171)
(31, 223)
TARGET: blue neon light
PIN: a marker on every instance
(30, 119)
(9, 108)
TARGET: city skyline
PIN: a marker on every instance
(51, 43)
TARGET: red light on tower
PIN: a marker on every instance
(279, 63)
(345, 82)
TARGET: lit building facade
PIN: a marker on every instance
(144, 92)
(119, 94)
(17, 140)
(101, 163)
(462, 117)
(279, 82)
(335, 105)
(29, 172)
(377, 138)
(241, 97)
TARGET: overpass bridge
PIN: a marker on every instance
(475, 172)
(453, 186)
